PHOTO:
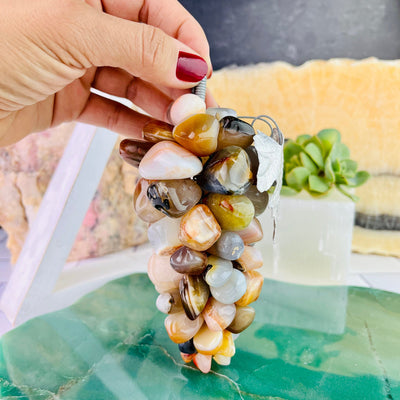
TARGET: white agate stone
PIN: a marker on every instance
(232, 290)
(162, 275)
(220, 271)
(185, 106)
(169, 160)
(220, 113)
(163, 235)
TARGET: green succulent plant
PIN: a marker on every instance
(318, 163)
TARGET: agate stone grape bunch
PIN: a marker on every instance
(197, 190)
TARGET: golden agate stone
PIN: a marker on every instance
(199, 229)
(198, 134)
(254, 285)
(156, 131)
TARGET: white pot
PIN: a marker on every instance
(313, 240)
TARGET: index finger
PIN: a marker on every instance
(168, 15)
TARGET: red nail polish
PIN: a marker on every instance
(190, 67)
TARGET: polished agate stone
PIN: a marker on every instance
(259, 199)
(232, 290)
(254, 282)
(254, 161)
(185, 106)
(142, 205)
(243, 319)
(194, 294)
(174, 197)
(226, 172)
(251, 258)
(180, 328)
(169, 160)
(164, 236)
(234, 131)
(187, 347)
(198, 133)
(199, 229)
(233, 212)
(165, 279)
(252, 234)
(229, 246)
(220, 112)
(169, 303)
(132, 151)
(218, 271)
(188, 261)
(218, 316)
(156, 131)
(207, 341)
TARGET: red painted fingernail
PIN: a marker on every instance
(190, 67)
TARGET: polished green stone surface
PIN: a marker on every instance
(306, 343)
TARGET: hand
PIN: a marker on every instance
(54, 51)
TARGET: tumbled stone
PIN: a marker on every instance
(174, 197)
(234, 131)
(202, 362)
(169, 160)
(156, 131)
(132, 151)
(254, 285)
(233, 212)
(163, 276)
(251, 258)
(259, 199)
(198, 133)
(194, 294)
(222, 360)
(199, 229)
(164, 235)
(185, 106)
(188, 261)
(232, 290)
(187, 347)
(169, 303)
(229, 246)
(243, 319)
(226, 172)
(252, 234)
(218, 315)
(218, 271)
(187, 358)
(227, 348)
(142, 205)
(254, 161)
(207, 341)
(220, 112)
(180, 328)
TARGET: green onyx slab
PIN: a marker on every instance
(305, 343)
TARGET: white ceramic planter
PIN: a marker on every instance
(313, 240)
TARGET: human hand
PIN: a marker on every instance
(54, 51)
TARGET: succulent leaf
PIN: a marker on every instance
(329, 137)
(315, 153)
(319, 163)
(318, 184)
(297, 177)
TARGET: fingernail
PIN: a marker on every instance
(132, 151)
(190, 67)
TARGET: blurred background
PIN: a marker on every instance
(298, 30)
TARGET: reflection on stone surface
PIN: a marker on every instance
(111, 345)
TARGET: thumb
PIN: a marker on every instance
(142, 50)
